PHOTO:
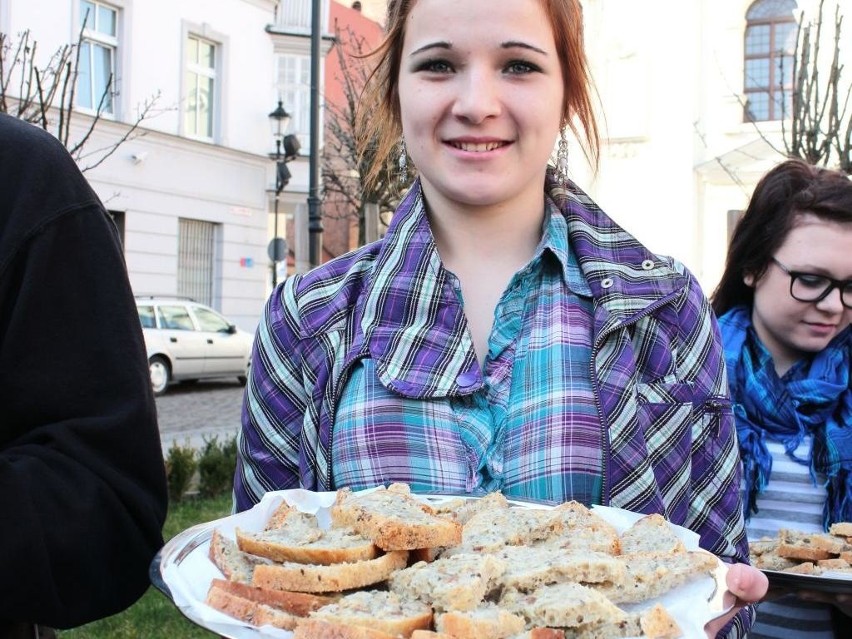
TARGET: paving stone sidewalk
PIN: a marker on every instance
(188, 413)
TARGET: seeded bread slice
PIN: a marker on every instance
(380, 610)
(334, 578)
(321, 629)
(575, 526)
(651, 533)
(809, 546)
(565, 605)
(393, 519)
(460, 582)
(652, 574)
(308, 546)
(485, 622)
(461, 509)
(529, 567)
(296, 603)
(841, 529)
(429, 634)
(252, 612)
(495, 528)
(542, 633)
(654, 623)
(230, 560)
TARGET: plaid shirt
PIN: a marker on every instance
(657, 368)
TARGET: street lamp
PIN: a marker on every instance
(279, 119)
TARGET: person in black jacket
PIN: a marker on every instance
(82, 482)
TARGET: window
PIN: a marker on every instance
(196, 260)
(294, 89)
(146, 316)
(200, 87)
(175, 318)
(96, 71)
(210, 321)
(770, 48)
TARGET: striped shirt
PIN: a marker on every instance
(504, 437)
(791, 500)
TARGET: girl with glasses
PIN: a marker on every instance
(784, 309)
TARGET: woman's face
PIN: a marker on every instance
(481, 94)
(791, 329)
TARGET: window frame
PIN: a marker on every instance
(197, 70)
(101, 40)
(777, 93)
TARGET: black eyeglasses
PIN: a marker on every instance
(810, 287)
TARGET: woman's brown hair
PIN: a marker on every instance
(787, 191)
(378, 119)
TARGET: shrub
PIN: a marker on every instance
(181, 464)
(216, 466)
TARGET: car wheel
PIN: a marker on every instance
(158, 368)
(242, 379)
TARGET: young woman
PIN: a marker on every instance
(505, 334)
(784, 305)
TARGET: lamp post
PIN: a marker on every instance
(279, 119)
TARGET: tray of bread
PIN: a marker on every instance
(807, 561)
(386, 563)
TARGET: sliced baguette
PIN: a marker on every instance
(485, 622)
(320, 629)
(247, 610)
(332, 546)
(296, 603)
(230, 560)
(334, 578)
(652, 574)
(651, 533)
(460, 582)
(393, 519)
(562, 606)
(379, 610)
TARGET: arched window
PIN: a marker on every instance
(770, 47)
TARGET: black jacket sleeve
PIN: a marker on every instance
(82, 482)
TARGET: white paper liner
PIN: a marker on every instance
(187, 570)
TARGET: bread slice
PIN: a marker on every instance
(429, 634)
(308, 546)
(247, 610)
(379, 610)
(575, 526)
(654, 623)
(651, 533)
(492, 529)
(542, 633)
(808, 546)
(485, 622)
(657, 623)
(462, 509)
(460, 582)
(230, 560)
(528, 567)
(300, 604)
(565, 605)
(652, 574)
(771, 560)
(841, 529)
(334, 578)
(321, 629)
(393, 519)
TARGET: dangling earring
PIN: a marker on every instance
(562, 158)
(402, 174)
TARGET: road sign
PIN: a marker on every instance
(277, 249)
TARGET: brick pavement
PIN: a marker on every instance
(188, 413)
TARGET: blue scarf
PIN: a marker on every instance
(813, 399)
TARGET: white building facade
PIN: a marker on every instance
(194, 195)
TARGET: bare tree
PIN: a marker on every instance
(345, 194)
(818, 127)
(45, 95)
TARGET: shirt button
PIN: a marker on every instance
(647, 265)
(606, 282)
(467, 379)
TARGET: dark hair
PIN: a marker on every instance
(789, 190)
(379, 123)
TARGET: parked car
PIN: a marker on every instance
(187, 341)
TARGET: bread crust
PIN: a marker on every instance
(334, 578)
(300, 604)
(326, 547)
(483, 623)
(320, 629)
(252, 612)
(230, 560)
(379, 610)
(393, 519)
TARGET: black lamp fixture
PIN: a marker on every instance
(279, 119)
